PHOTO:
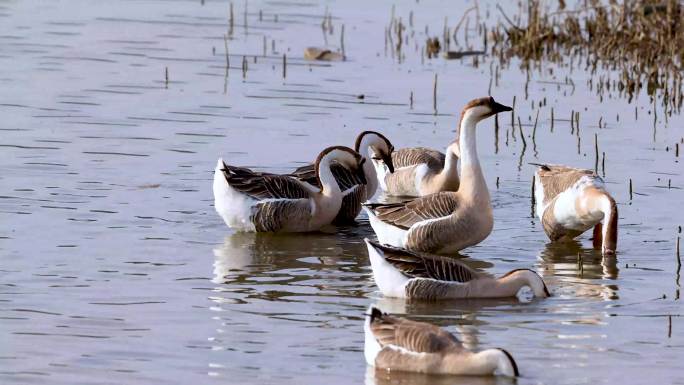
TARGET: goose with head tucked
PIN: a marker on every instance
(262, 202)
(571, 200)
(371, 145)
(421, 171)
(406, 274)
(445, 222)
(395, 343)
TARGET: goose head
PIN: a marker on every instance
(379, 147)
(344, 156)
(482, 108)
(529, 278)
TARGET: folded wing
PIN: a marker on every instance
(406, 214)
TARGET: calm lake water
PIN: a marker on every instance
(116, 269)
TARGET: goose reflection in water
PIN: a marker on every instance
(258, 263)
(383, 377)
(560, 260)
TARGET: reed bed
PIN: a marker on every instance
(626, 46)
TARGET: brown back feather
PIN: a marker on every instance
(556, 179)
(419, 337)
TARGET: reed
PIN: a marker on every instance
(284, 66)
(434, 95)
(596, 153)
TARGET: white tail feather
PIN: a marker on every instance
(390, 281)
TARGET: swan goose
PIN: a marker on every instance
(405, 274)
(369, 144)
(395, 343)
(570, 201)
(448, 221)
(421, 171)
(262, 202)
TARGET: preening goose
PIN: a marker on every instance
(395, 343)
(261, 202)
(406, 274)
(570, 201)
(444, 222)
(421, 171)
(371, 145)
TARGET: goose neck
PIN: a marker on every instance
(329, 186)
(473, 184)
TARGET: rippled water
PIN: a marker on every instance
(116, 269)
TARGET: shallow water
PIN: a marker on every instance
(116, 269)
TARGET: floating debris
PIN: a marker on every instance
(322, 54)
(461, 54)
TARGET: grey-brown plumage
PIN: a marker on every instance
(256, 201)
(402, 273)
(275, 216)
(423, 265)
(422, 171)
(405, 157)
(445, 222)
(573, 200)
(555, 179)
(396, 343)
(406, 214)
(261, 185)
(419, 337)
(438, 221)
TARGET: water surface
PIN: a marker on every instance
(116, 269)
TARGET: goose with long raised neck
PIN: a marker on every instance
(570, 201)
(421, 171)
(261, 202)
(395, 343)
(371, 145)
(401, 273)
(445, 222)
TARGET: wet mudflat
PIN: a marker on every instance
(116, 269)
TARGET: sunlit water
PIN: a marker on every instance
(116, 269)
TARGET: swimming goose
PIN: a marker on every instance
(405, 274)
(570, 201)
(448, 221)
(421, 171)
(394, 343)
(252, 201)
(369, 144)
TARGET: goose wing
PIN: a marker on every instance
(406, 214)
(556, 178)
(418, 337)
(422, 265)
(415, 155)
(345, 178)
(264, 185)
